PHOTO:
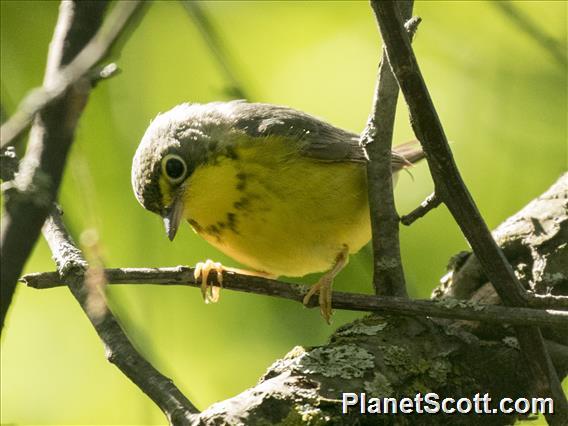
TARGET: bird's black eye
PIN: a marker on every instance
(174, 167)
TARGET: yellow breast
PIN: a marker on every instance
(276, 211)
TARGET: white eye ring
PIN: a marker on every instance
(174, 168)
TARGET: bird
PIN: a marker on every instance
(274, 188)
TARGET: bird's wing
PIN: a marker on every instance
(316, 138)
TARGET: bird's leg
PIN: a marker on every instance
(323, 286)
(211, 293)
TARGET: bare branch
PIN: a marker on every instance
(70, 74)
(451, 188)
(449, 308)
(105, 72)
(119, 350)
(430, 203)
(388, 275)
(30, 196)
(60, 103)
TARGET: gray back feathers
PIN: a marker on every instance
(316, 138)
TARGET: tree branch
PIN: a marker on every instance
(430, 203)
(388, 275)
(452, 190)
(382, 357)
(30, 196)
(548, 302)
(72, 68)
(73, 270)
(534, 241)
(59, 105)
(448, 308)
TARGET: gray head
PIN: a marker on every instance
(174, 145)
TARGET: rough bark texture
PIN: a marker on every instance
(535, 241)
(388, 274)
(396, 356)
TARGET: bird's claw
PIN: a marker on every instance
(202, 269)
(323, 287)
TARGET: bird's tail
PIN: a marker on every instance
(406, 154)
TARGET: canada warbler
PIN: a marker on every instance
(276, 189)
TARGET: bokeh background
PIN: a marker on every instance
(501, 96)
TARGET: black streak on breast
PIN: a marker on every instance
(198, 228)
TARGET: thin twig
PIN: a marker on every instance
(103, 73)
(80, 41)
(450, 308)
(388, 275)
(430, 203)
(215, 44)
(119, 350)
(451, 188)
(8, 160)
(101, 43)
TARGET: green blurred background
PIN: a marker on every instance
(500, 95)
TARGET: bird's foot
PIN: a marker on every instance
(202, 269)
(323, 287)
(325, 283)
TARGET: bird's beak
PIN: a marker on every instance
(172, 217)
